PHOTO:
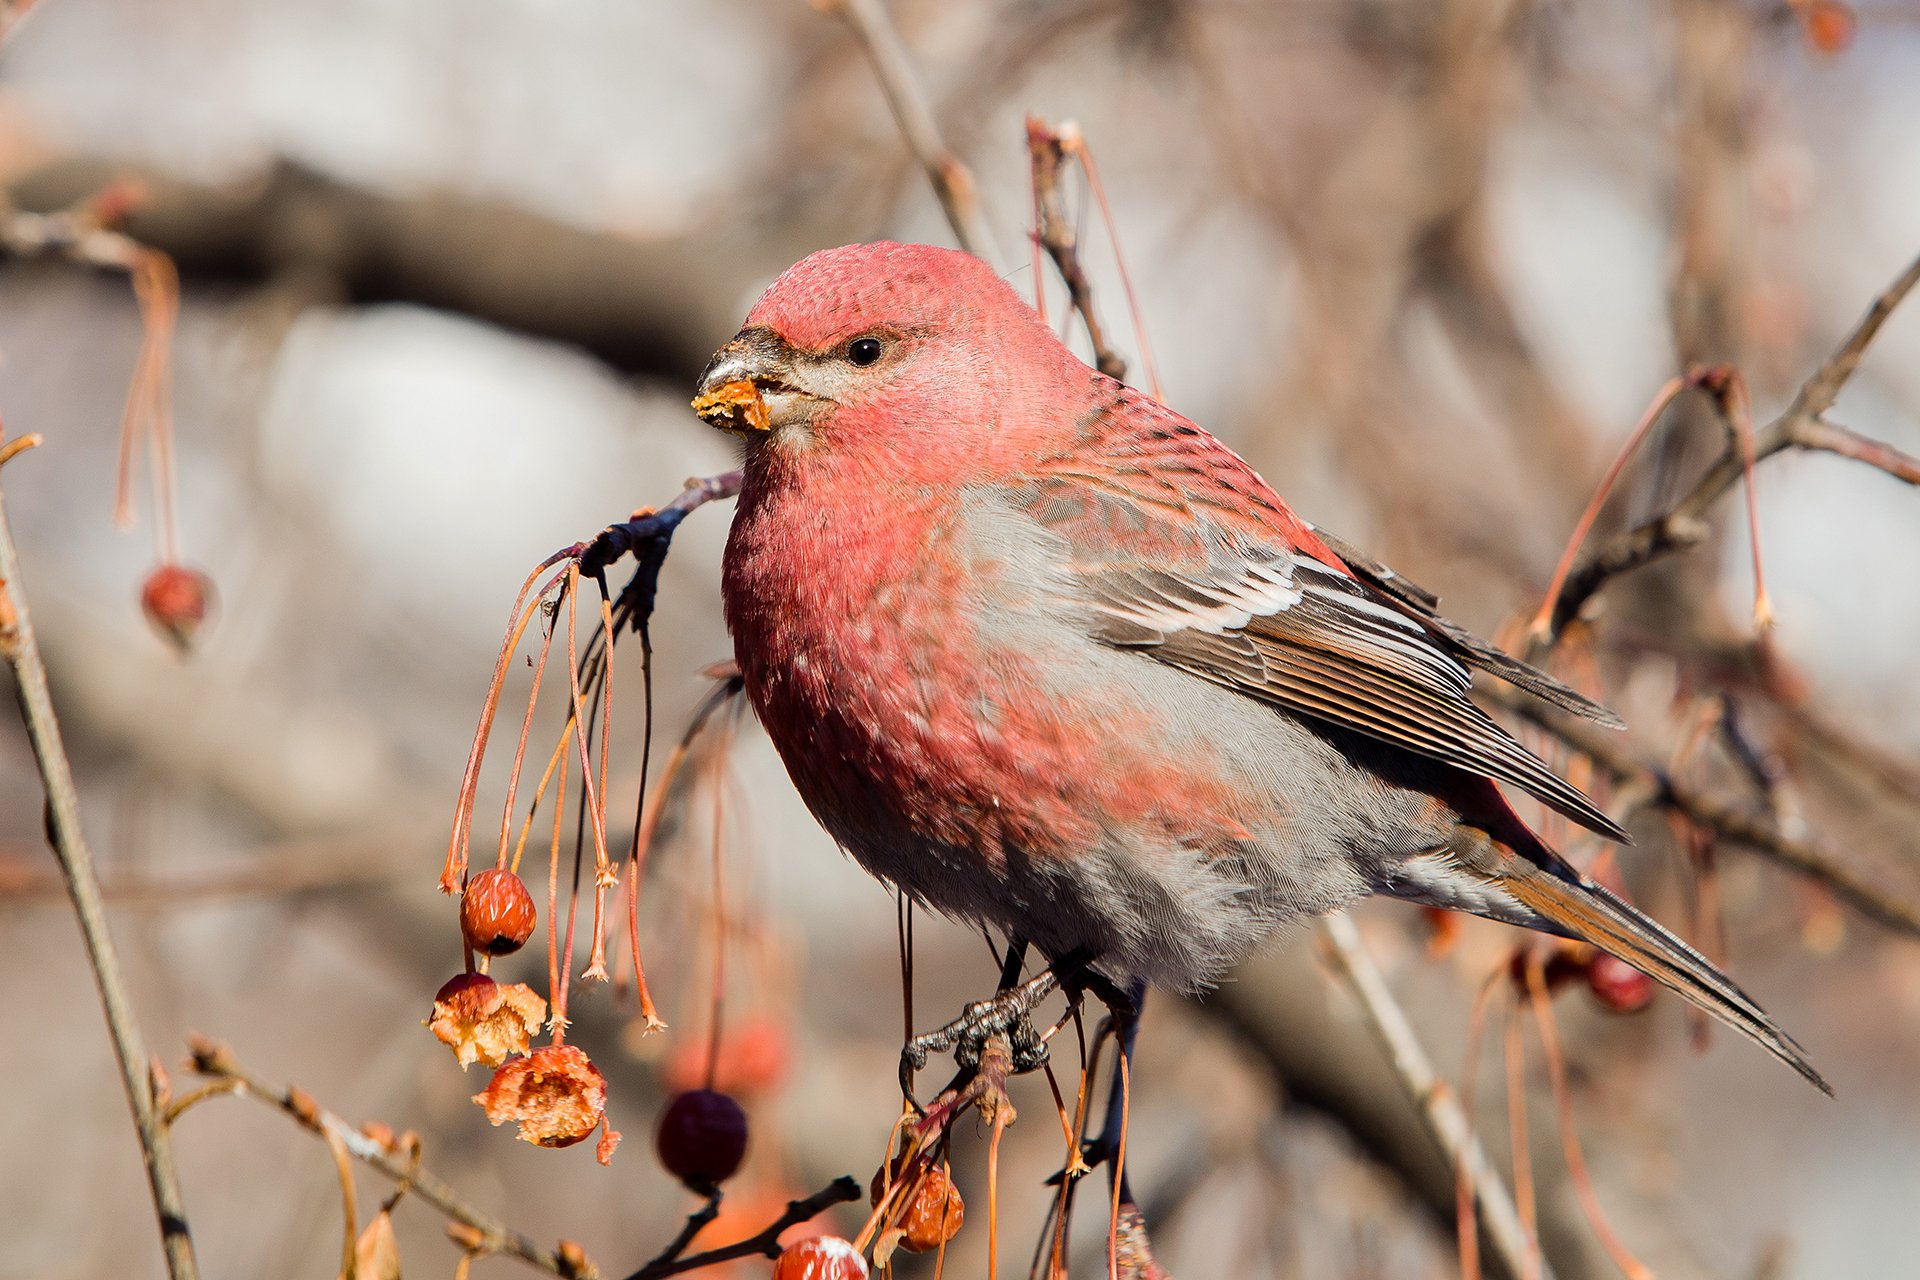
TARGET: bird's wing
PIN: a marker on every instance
(1182, 552)
(1414, 599)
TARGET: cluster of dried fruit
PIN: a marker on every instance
(555, 1093)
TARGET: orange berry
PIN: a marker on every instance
(176, 601)
(496, 912)
(702, 1138)
(1618, 985)
(1829, 25)
(821, 1258)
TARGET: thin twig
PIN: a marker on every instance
(1437, 1103)
(1831, 437)
(1854, 886)
(952, 183)
(1800, 426)
(1057, 237)
(696, 1222)
(763, 1244)
(490, 1234)
(21, 649)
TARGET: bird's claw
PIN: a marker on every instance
(1008, 1015)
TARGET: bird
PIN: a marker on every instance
(1048, 657)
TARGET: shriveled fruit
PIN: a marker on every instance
(935, 1214)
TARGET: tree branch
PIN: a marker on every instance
(21, 650)
(1800, 426)
(643, 304)
(841, 1190)
(490, 1236)
(1062, 245)
(1438, 1104)
(1857, 889)
(952, 183)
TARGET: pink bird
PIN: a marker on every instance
(1045, 655)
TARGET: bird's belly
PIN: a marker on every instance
(968, 743)
(1084, 799)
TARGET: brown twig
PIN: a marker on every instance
(83, 234)
(1851, 885)
(696, 1222)
(1057, 237)
(763, 1244)
(1820, 433)
(21, 649)
(490, 1235)
(1800, 426)
(952, 183)
(1438, 1105)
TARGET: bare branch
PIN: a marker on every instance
(766, 1243)
(1818, 433)
(1062, 245)
(1800, 426)
(1819, 392)
(1730, 823)
(21, 650)
(952, 183)
(1437, 1103)
(490, 1235)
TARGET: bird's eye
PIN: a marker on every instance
(863, 351)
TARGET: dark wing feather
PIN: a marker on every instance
(1338, 656)
(1468, 647)
(1179, 550)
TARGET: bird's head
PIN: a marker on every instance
(900, 350)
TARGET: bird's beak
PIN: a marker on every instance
(731, 391)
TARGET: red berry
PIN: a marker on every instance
(935, 1215)
(176, 601)
(1828, 25)
(496, 912)
(1618, 985)
(702, 1138)
(821, 1258)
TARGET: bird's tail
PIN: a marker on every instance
(1566, 902)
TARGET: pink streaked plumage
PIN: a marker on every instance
(1046, 655)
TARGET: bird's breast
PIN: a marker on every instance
(922, 688)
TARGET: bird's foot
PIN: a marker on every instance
(1008, 1014)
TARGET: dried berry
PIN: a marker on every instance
(496, 912)
(1618, 985)
(555, 1093)
(485, 1021)
(821, 1258)
(934, 1216)
(176, 601)
(702, 1138)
